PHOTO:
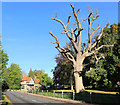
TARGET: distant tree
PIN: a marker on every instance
(44, 79)
(31, 73)
(13, 76)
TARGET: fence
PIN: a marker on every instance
(88, 97)
(53, 93)
(59, 94)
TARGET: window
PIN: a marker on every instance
(22, 87)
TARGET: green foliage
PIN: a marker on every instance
(44, 79)
(3, 63)
(13, 76)
(31, 73)
(4, 59)
(63, 72)
(106, 72)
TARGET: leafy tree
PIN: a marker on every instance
(13, 76)
(3, 61)
(31, 73)
(106, 71)
(61, 73)
(44, 79)
(82, 51)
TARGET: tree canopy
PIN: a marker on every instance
(13, 76)
(63, 72)
(31, 73)
(106, 71)
(44, 79)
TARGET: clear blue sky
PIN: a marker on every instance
(26, 27)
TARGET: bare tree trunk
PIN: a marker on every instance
(78, 78)
(78, 83)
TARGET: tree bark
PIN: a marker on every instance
(77, 74)
(78, 83)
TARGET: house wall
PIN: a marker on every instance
(31, 82)
(23, 82)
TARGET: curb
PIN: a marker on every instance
(60, 99)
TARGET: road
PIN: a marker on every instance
(20, 98)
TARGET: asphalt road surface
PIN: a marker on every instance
(20, 98)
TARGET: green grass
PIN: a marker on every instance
(98, 98)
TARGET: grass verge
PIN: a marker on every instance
(5, 100)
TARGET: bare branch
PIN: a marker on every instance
(95, 30)
(94, 51)
(68, 47)
(84, 65)
(53, 42)
(75, 15)
(64, 33)
(60, 22)
(84, 19)
(94, 18)
(70, 57)
(75, 30)
(63, 51)
(68, 21)
(89, 27)
(98, 58)
(55, 39)
(98, 39)
(72, 32)
(78, 11)
(65, 29)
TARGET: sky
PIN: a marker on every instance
(26, 27)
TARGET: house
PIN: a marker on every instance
(28, 83)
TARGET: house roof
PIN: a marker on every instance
(26, 78)
(37, 81)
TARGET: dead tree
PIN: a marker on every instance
(75, 38)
